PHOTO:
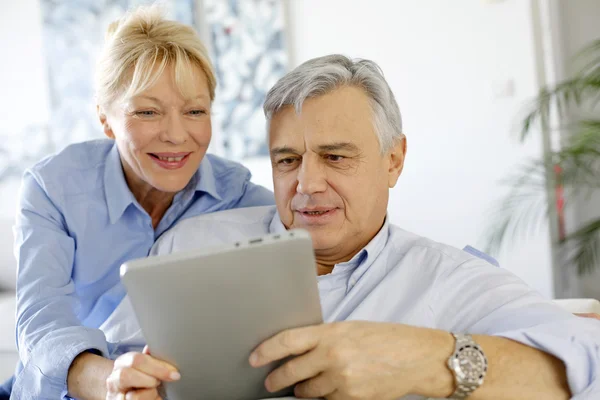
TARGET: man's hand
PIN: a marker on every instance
(138, 376)
(356, 360)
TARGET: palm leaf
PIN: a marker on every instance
(584, 86)
(523, 210)
(582, 247)
(566, 94)
(518, 216)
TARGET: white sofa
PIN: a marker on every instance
(8, 351)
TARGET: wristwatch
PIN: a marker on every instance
(468, 363)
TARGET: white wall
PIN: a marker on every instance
(23, 88)
(444, 61)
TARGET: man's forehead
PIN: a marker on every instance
(343, 115)
(316, 137)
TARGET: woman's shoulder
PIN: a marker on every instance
(232, 181)
(223, 167)
(77, 156)
(76, 168)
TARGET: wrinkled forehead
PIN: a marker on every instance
(343, 115)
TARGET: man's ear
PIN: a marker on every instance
(104, 121)
(396, 157)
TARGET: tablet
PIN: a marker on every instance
(205, 311)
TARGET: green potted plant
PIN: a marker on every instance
(573, 171)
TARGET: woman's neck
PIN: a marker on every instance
(155, 202)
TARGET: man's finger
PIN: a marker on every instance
(125, 379)
(296, 370)
(291, 342)
(317, 387)
(148, 365)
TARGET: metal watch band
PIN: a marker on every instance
(464, 388)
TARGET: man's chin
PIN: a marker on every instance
(322, 241)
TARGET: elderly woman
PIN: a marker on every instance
(86, 210)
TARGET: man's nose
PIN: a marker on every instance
(311, 177)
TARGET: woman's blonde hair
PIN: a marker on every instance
(140, 46)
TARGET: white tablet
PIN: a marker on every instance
(205, 311)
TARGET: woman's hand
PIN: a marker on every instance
(138, 376)
(589, 315)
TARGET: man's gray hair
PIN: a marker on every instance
(322, 75)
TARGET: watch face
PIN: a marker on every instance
(470, 364)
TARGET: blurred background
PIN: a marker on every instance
(463, 73)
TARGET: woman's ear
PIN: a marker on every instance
(104, 121)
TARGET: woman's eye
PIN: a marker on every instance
(146, 113)
(197, 112)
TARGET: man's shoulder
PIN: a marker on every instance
(216, 228)
(428, 251)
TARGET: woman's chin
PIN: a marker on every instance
(170, 185)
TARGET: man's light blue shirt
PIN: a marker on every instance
(401, 277)
(77, 222)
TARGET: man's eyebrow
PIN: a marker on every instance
(322, 148)
(339, 146)
(283, 150)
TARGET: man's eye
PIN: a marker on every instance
(286, 161)
(334, 157)
(197, 112)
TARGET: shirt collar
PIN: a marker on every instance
(203, 181)
(367, 255)
(119, 196)
(276, 226)
(361, 260)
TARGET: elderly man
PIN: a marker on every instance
(404, 315)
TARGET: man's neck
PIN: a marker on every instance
(324, 269)
(327, 259)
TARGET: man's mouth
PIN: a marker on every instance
(315, 212)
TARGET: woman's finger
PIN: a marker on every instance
(148, 365)
(123, 380)
(142, 394)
